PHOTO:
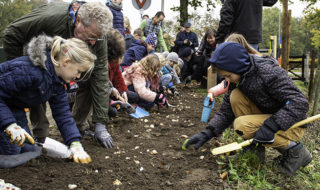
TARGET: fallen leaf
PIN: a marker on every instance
(224, 175)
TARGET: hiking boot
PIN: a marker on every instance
(40, 140)
(258, 149)
(87, 132)
(293, 158)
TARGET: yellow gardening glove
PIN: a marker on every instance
(78, 153)
(18, 135)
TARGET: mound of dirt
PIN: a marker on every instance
(147, 155)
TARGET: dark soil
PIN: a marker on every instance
(131, 160)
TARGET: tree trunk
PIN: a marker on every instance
(183, 11)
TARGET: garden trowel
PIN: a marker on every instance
(237, 146)
(140, 113)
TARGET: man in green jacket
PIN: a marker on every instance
(90, 23)
(153, 25)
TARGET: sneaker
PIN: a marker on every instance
(40, 140)
(187, 80)
(293, 158)
(87, 132)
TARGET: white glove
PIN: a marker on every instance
(78, 153)
(18, 135)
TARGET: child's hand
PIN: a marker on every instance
(115, 93)
(125, 97)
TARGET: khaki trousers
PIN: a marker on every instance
(249, 119)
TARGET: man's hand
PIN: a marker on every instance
(78, 153)
(199, 139)
(103, 136)
(18, 135)
(185, 41)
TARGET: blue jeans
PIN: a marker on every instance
(7, 148)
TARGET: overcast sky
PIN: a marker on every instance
(134, 14)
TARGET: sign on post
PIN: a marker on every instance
(141, 4)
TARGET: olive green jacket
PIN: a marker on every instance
(54, 19)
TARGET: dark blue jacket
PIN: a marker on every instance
(136, 52)
(24, 85)
(117, 18)
(191, 36)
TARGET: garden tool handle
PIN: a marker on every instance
(298, 124)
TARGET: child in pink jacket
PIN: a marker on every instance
(143, 78)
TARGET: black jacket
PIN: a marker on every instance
(242, 17)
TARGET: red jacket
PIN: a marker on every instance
(115, 76)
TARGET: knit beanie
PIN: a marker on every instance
(173, 56)
(152, 39)
(232, 57)
(165, 54)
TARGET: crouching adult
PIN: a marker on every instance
(29, 81)
(262, 102)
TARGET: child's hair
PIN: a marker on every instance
(162, 59)
(73, 48)
(127, 22)
(151, 66)
(139, 32)
(238, 38)
(116, 44)
(209, 33)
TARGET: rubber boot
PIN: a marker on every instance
(293, 158)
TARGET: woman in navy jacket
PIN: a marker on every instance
(31, 80)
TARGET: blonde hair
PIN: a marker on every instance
(75, 49)
(238, 38)
(127, 22)
(98, 13)
(162, 59)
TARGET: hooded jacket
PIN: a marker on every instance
(54, 19)
(136, 52)
(117, 16)
(28, 81)
(271, 89)
(139, 79)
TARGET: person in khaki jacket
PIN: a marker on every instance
(89, 22)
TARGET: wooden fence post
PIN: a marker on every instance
(312, 80)
(317, 88)
(306, 67)
(211, 77)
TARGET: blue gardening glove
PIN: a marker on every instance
(200, 139)
(265, 135)
(103, 136)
